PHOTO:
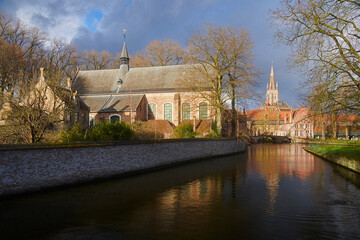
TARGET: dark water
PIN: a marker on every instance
(272, 192)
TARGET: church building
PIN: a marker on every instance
(278, 118)
(141, 94)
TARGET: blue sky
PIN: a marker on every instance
(98, 24)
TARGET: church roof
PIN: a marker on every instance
(96, 81)
(141, 80)
(165, 78)
(113, 103)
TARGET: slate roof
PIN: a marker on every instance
(96, 81)
(141, 80)
(113, 103)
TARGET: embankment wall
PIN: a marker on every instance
(36, 168)
(351, 164)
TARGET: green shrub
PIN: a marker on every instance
(75, 134)
(184, 131)
(106, 131)
(215, 133)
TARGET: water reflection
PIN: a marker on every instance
(272, 192)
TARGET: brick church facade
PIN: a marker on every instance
(142, 94)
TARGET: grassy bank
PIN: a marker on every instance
(332, 142)
(345, 156)
(338, 151)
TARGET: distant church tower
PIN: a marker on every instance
(124, 59)
(272, 93)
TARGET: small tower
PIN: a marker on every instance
(124, 59)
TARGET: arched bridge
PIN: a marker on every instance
(270, 139)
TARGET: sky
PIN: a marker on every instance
(99, 24)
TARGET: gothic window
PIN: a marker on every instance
(186, 111)
(168, 112)
(91, 121)
(203, 110)
(115, 118)
(152, 110)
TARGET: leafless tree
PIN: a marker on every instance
(93, 60)
(223, 58)
(160, 53)
(324, 36)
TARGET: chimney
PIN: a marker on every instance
(291, 113)
(42, 74)
(68, 83)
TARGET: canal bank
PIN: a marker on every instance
(42, 167)
(346, 162)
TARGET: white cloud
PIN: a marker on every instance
(60, 19)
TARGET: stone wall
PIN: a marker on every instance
(42, 167)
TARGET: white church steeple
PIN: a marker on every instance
(272, 93)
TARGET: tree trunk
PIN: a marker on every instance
(233, 110)
(218, 120)
(334, 127)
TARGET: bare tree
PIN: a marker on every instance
(30, 44)
(12, 64)
(222, 57)
(160, 53)
(324, 35)
(37, 107)
(93, 60)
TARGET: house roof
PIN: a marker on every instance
(113, 103)
(145, 79)
(163, 126)
(262, 114)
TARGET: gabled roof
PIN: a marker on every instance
(140, 80)
(113, 103)
(164, 78)
(97, 81)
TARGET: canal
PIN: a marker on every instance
(270, 192)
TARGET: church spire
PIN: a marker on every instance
(272, 94)
(124, 58)
(272, 82)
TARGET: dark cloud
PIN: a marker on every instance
(161, 19)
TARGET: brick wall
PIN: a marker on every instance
(23, 170)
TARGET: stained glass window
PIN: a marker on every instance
(203, 111)
(186, 111)
(168, 111)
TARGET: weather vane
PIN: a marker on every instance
(124, 30)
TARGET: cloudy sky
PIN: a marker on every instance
(98, 24)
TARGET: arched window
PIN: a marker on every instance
(115, 118)
(168, 111)
(203, 110)
(152, 111)
(91, 121)
(186, 111)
